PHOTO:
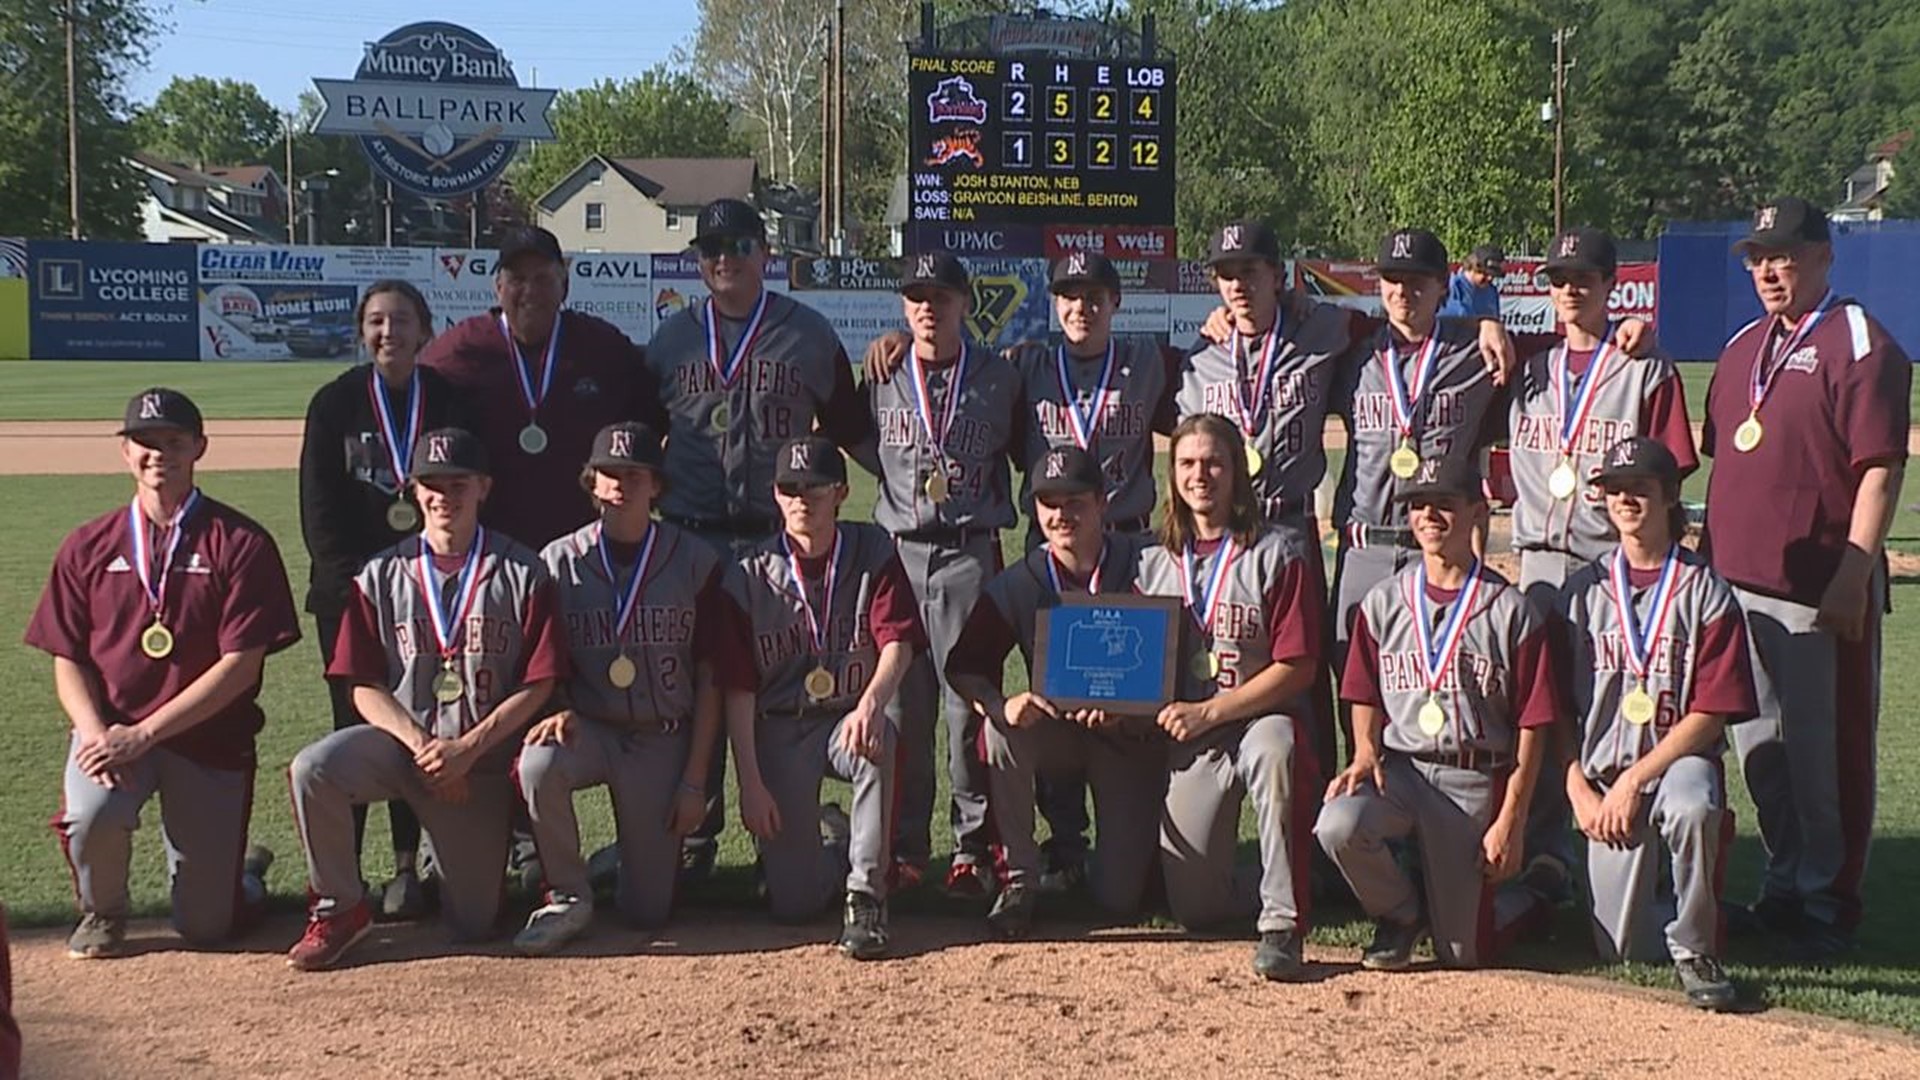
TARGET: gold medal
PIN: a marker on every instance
(1563, 482)
(447, 687)
(819, 684)
(1254, 461)
(622, 672)
(1433, 718)
(156, 641)
(533, 439)
(937, 488)
(1747, 435)
(1405, 460)
(1637, 707)
(1206, 666)
(721, 418)
(402, 517)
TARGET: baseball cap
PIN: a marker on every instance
(1083, 268)
(1488, 257)
(1413, 251)
(1785, 222)
(1638, 457)
(625, 444)
(158, 407)
(937, 269)
(449, 452)
(809, 462)
(1246, 239)
(1584, 249)
(723, 218)
(1438, 476)
(529, 240)
(1067, 470)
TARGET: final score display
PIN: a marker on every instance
(1034, 141)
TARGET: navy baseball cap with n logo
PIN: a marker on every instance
(809, 462)
(935, 269)
(1243, 240)
(158, 408)
(1785, 223)
(449, 452)
(727, 218)
(1638, 457)
(1083, 268)
(1067, 470)
(624, 445)
(1413, 251)
(1442, 476)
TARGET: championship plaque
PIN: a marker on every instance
(1114, 652)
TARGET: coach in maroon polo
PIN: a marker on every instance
(1806, 423)
(542, 380)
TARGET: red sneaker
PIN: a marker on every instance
(328, 938)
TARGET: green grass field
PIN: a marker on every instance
(1880, 984)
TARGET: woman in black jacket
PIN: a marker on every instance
(354, 501)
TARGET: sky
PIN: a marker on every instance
(280, 46)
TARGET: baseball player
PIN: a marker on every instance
(1451, 679)
(946, 431)
(741, 373)
(825, 628)
(1258, 613)
(159, 617)
(1658, 665)
(452, 644)
(360, 429)
(640, 711)
(9, 1027)
(1026, 733)
(1806, 422)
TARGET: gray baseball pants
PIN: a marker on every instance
(1636, 916)
(642, 772)
(805, 875)
(733, 548)
(1550, 830)
(363, 764)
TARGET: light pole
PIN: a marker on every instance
(1559, 107)
(311, 184)
(286, 124)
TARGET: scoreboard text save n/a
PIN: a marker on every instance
(1029, 140)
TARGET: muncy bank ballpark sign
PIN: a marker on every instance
(437, 109)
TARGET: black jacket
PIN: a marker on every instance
(346, 476)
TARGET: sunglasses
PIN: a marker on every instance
(738, 246)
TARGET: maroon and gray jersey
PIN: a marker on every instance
(979, 436)
(1122, 426)
(773, 648)
(1007, 613)
(1315, 340)
(1500, 680)
(1460, 412)
(1268, 607)
(672, 627)
(510, 637)
(1629, 397)
(795, 372)
(1698, 664)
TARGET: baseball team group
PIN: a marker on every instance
(545, 558)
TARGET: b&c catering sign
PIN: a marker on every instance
(437, 108)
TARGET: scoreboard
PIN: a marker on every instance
(998, 140)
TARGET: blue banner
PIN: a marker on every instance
(94, 301)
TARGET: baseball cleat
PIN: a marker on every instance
(905, 874)
(1062, 876)
(1277, 957)
(1706, 983)
(603, 868)
(550, 928)
(328, 937)
(1012, 914)
(696, 863)
(863, 934)
(1392, 946)
(98, 937)
(968, 880)
(404, 898)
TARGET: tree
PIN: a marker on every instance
(109, 37)
(202, 122)
(662, 113)
(1903, 194)
(766, 57)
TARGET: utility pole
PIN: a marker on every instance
(73, 132)
(826, 145)
(1560, 65)
(839, 127)
(288, 184)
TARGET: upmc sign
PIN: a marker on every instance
(437, 109)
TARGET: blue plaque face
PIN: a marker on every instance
(1108, 652)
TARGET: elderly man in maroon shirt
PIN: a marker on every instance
(1807, 424)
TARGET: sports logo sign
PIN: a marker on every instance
(437, 108)
(954, 99)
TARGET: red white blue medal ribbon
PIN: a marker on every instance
(726, 366)
(449, 627)
(1764, 372)
(1574, 420)
(817, 621)
(1640, 640)
(1436, 657)
(1404, 401)
(1093, 580)
(530, 394)
(1252, 415)
(1084, 425)
(399, 443)
(155, 584)
(626, 598)
(1209, 599)
(923, 401)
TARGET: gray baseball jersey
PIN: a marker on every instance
(977, 437)
(1119, 427)
(1699, 663)
(1265, 608)
(793, 369)
(1458, 413)
(1315, 342)
(1018, 593)
(1625, 397)
(663, 635)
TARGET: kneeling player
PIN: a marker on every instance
(452, 646)
(825, 626)
(640, 712)
(1258, 614)
(1451, 680)
(1659, 652)
(1026, 733)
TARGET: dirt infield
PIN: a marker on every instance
(87, 447)
(732, 995)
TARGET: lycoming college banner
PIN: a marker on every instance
(94, 301)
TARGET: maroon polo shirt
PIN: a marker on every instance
(226, 593)
(1777, 515)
